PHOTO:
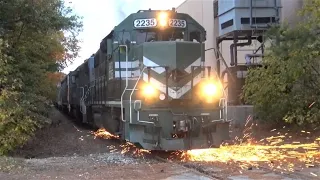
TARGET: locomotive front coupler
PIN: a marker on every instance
(181, 127)
(188, 124)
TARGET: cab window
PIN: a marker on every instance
(195, 36)
(173, 35)
(159, 35)
(146, 36)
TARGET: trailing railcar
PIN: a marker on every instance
(58, 102)
(148, 83)
(63, 94)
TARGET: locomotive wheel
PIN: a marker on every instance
(65, 109)
(70, 112)
(110, 122)
(89, 116)
(77, 114)
(121, 129)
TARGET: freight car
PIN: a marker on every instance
(148, 84)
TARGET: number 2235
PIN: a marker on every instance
(145, 23)
(177, 23)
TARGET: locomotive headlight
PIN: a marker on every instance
(149, 90)
(210, 89)
(163, 22)
(163, 19)
(162, 96)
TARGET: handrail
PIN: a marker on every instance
(225, 104)
(125, 89)
(81, 99)
(133, 89)
(130, 101)
(148, 122)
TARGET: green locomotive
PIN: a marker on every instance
(148, 83)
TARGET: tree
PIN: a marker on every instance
(36, 41)
(287, 87)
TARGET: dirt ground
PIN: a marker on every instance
(69, 151)
(88, 168)
(63, 138)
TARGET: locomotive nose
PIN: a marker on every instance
(178, 57)
(173, 54)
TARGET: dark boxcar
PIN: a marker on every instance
(64, 94)
(73, 97)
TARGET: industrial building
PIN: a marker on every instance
(206, 11)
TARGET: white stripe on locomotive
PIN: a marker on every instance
(131, 64)
(148, 62)
(175, 94)
(160, 86)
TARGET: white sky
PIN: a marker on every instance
(100, 17)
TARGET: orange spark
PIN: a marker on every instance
(102, 133)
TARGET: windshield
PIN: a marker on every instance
(158, 35)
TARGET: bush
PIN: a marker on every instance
(34, 46)
(287, 88)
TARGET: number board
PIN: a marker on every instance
(177, 23)
(142, 23)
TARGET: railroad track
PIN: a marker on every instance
(293, 175)
(163, 157)
(192, 168)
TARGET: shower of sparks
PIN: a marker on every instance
(275, 152)
(245, 152)
(276, 156)
(125, 148)
(131, 148)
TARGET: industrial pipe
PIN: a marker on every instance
(223, 74)
(234, 61)
(277, 10)
(254, 55)
(251, 13)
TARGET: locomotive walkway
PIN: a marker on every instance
(68, 151)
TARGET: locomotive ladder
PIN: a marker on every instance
(83, 108)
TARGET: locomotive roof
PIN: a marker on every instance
(127, 23)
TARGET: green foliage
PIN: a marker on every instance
(287, 88)
(37, 38)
